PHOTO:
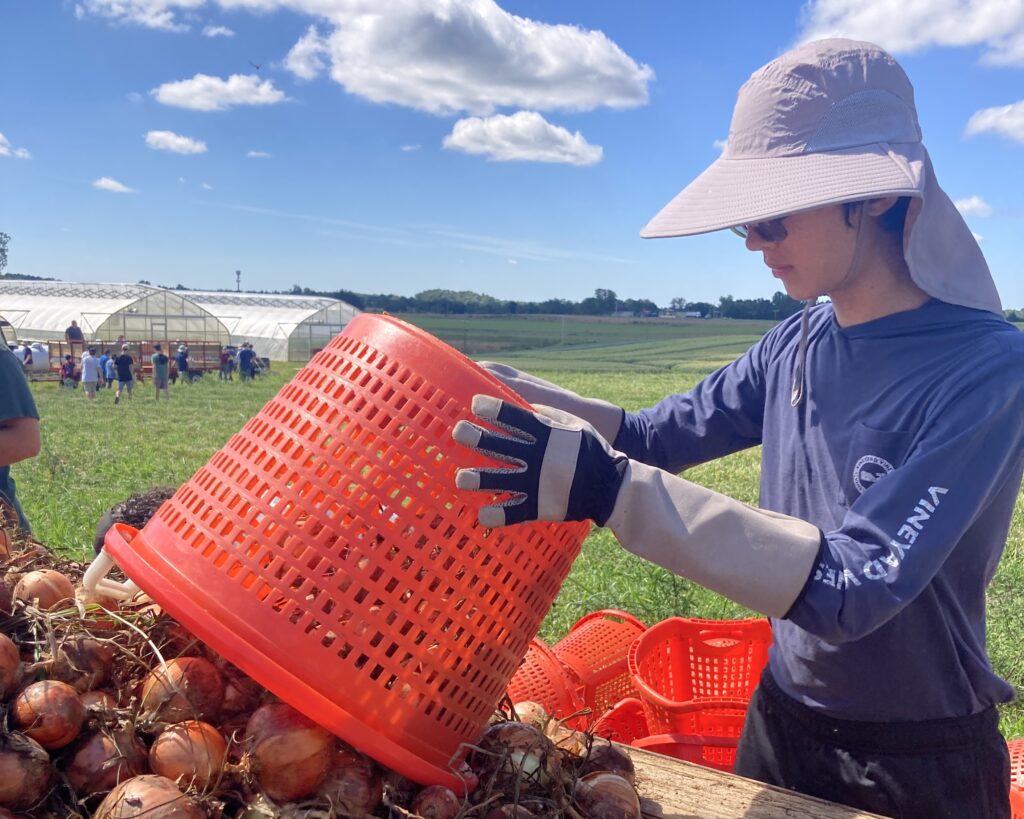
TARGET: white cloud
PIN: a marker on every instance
(258, 155)
(147, 13)
(1007, 120)
(105, 183)
(6, 149)
(176, 143)
(217, 31)
(904, 27)
(206, 93)
(408, 148)
(513, 261)
(977, 237)
(134, 96)
(973, 206)
(206, 186)
(307, 57)
(525, 135)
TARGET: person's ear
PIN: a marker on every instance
(876, 207)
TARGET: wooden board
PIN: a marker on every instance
(673, 789)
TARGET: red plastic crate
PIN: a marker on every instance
(542, 679)
(709, 732)
(624, 722)
(1016, 747)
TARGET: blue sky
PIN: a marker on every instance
(394, 146)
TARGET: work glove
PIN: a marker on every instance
(604, 417)
(559, 468)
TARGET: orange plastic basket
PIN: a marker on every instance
(544, 680)
(713, 731)
(596, 650)
(325, 552)
(1016, 747)
(624, 722)
(680, 660)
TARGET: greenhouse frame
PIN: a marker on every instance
(42, 311)
(280, 327)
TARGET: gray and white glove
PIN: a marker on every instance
(559, 468)
(604, 417)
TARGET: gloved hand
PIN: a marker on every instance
(606, 418)
(560, 468)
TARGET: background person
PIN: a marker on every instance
(67, 373)
(90, 373)
(246, 358)
(110, 371)
(161, 365)
(892, 429)
(73, 332)
(182, 361)
(19, 428)
(125, 379)
(104, 381)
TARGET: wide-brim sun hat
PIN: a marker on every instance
(834, 121)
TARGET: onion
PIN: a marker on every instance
(45, 588)
(353, 786)
(6, 599)
(288, 753)
(82, 662)
(24, 771)
(532, 713)
(519, 751)
(606, 796)
(185, 688)
(6, 814)
(509, 812)
(10, 666)
(191, 753)
(609, 757)
(49, 712)
(154, 797)
(5, 544)
(102, 761)
(436, 802)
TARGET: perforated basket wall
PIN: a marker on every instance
(596, 650)
(1016, 747)
(623, 722)
(544, 680)
(325, 552)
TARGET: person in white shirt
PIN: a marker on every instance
(90, 373)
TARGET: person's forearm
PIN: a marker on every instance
(19, 439)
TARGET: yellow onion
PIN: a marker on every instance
(82, 662)
(436, 802)
(98, 700)
(152, 797)
(184, 688)
(10, 666)
(609, 757)
(25, 771)
(353, 786)
(191, 753)
(606, 796)
(101, 761)
(44, 588)
(532, 713)
(517, 751)
(49, 712)
(289, 754)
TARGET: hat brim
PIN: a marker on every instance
(737, 191)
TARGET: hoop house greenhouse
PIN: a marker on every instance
(282, 328)
(42, 311)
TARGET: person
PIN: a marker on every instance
(160, 364)
(90, 373)
(19, 429)
(227, 364)
(182, 360)
(104, 381)
(246, 357)
(26, 357)
(67, 373)
(110, 371)
(73, 332)
(125, 379)
(891, 420)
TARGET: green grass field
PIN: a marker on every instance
(96, 454)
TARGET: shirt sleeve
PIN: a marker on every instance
(15, 396)
(724, 413)
(899, 533)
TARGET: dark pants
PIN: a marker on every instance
(936, 769)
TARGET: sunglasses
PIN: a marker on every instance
(771, 231)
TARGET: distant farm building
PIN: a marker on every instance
(282, 328)
(43, 310)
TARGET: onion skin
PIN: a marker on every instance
(10, 666)
(101, 762)
(518, 751)
(353, 786)
(289, 754)
(610, 758)
(191, 753)
(606, 796)
(83, 663)
(49, 712)
(436, 802)
(45, 588)
(25, 771)
(98, 701)
(185, 688)
(532, 713)
(6, 599)
(154, 797)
